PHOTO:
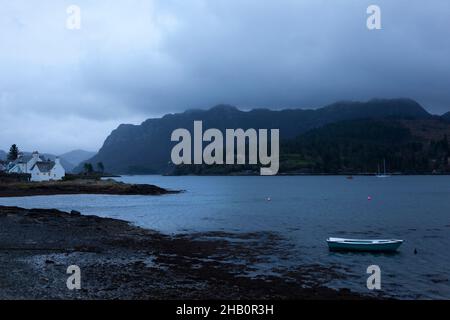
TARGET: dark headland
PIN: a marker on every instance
(345, 138)
(121, 261)
(79, 186)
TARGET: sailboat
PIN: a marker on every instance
(384, 175)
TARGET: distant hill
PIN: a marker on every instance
(360, 146)
(3, 155)
(446, 116)
(76, 157)
(145, 148)
(414, 146)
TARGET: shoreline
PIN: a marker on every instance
(108, 187)
(299, 175)
(122, 261)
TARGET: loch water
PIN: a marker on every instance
(303, 211)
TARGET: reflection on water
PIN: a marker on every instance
(305, 211)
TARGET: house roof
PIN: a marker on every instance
(22, 159)
(44, 166)
(26, 158)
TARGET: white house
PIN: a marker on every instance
(40, 169)
(47, 170)
(23, 164)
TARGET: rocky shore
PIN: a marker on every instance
(23, 189)
(121, 261)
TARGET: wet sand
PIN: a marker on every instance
(121, 261)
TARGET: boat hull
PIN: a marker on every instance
(364, 245)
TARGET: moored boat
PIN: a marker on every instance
(384, 175)
(339, 244)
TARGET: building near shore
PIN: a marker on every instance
(39, 168)
(24, 163)
(47, 170)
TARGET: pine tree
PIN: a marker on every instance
(88, 168)
(13, 153)
(100, 167)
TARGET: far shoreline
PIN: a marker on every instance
(291, 174)
(80, 186)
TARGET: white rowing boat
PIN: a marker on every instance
(339, 244)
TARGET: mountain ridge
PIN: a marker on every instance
(145, 148)
(75, 157)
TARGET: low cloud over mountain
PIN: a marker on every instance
(136, 59)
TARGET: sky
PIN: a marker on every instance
(64, 89)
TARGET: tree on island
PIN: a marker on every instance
(100, 167)
(88, 168)
(13, 153)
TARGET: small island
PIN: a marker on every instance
(78, 186)
(34, 174)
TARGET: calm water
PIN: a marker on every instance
(305, 211)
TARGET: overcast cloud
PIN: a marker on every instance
(63, 89)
